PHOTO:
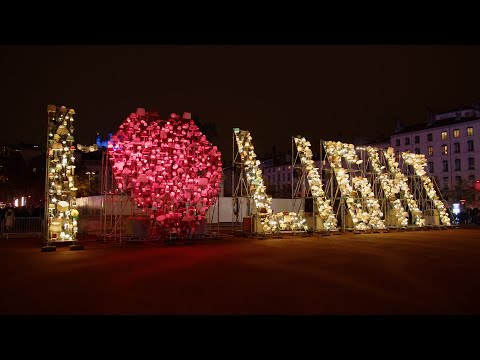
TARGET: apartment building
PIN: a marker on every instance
(451, 143)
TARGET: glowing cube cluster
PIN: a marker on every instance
(168, 167)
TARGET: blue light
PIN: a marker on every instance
(456, 208)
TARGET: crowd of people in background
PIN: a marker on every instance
(9, 214)
(22, 211)
(469, 216)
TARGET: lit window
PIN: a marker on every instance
(445, 165)
(445, 149)
(456, 147)
(456, 133)
(430, 150)
(470, 131)
(471, 163)
(444, 135)
(458, 165)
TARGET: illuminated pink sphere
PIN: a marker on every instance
(169, 167)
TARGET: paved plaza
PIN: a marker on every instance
(415, 272)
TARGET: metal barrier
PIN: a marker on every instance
(23, 226)
(96, 226)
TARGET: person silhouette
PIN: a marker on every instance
(9, 220)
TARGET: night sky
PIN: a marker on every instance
(275, 92)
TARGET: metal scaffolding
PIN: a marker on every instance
(249, 187)
(242, 196)
(427, 193)
(310, 186)
(118, 212)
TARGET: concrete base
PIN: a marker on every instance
(49, 248)
(62, 243)
(77, 247)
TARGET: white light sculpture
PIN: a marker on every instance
(362, 220)
(388, 186)
(419, 163)
(323, 204)
(401, 182)
(362, 185)
(60, 188)
(270, 222)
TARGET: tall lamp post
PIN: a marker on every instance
(89, 173)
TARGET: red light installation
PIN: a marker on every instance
(168, 167)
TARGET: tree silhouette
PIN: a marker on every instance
(462, 191)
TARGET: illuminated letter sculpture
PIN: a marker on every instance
(389, 186)
(270, 222)
(419, 163)
(61, 213)
(324, 208)
(362, 220)
(401, 182)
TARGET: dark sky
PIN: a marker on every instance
(273, 91)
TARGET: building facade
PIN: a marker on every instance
(451, 144)
(449, 140)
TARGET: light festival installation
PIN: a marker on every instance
(270, 222)
(419, 163)
(62, 215)
(401, 181)
(362, 220)
(168, 167)
(315, 183)
(389, 186)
